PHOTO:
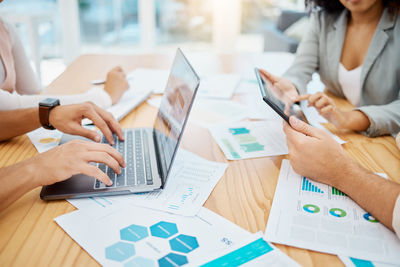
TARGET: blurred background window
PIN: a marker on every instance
(55, 32)
(109, 22)
(183, 21)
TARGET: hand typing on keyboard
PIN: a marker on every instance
(68, 120)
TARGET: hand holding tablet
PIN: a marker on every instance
(281, 102)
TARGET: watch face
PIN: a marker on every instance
(49, 102)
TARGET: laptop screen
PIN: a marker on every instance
(174, 109)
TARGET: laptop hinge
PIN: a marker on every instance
(159, 159)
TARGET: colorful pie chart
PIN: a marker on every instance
(370, 218)
(337, 212)
(47, 140)
(311, 208)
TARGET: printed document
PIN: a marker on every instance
(353, 262)
(254, 251)
(134, 236)
(218, 86)
(190, 184)
(243, 140)
(315, 216)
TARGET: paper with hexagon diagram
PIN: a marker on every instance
(133, 236)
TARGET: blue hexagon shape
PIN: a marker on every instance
(120, 251)
(172, 260)
(184, 243)
(163, 229)
(140, 262)
(134, 233)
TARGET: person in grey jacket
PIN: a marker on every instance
(355, 47)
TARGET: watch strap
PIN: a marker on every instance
(44, 112)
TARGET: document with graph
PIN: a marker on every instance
(243, 140)
(135, 236)
(191, 181)
(315, 216)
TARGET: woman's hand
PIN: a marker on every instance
(62, 162)
(68, 119)
(398, 140)
(283, 88)
(326, 107)
(116, 84)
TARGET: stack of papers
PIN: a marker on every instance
(148, 229)
(134, 236)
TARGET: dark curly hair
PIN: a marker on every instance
(334, 6)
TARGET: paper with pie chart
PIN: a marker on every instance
(44, 140)
(315, 216)
(243, 140)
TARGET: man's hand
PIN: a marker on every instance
(68, 119)
(326, 107)
(60, 163)
(283, 88)
(116, 84)
(315, 154)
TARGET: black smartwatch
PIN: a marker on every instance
(45, 106)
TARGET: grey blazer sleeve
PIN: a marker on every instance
(307, 57)
(384, 119)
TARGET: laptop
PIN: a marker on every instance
(148, 152)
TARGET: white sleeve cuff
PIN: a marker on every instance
(99, 97)
(396, 217)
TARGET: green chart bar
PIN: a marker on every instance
(337, 192)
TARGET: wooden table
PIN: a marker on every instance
(244, 195)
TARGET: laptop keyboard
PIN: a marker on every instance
(135, 150)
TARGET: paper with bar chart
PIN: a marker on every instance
(243, 140)
(191, 181)
(353, 262)
(135, 236)
(316, 216)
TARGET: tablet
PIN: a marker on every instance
(272, 99)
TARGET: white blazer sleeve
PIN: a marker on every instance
(27, 82)
(10, 101)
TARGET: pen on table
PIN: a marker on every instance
(103, 81)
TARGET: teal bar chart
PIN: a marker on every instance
(308, 186)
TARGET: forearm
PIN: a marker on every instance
(356, 121)
(384, 119)
(17, 122)
(373, 193)
(16, 180)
